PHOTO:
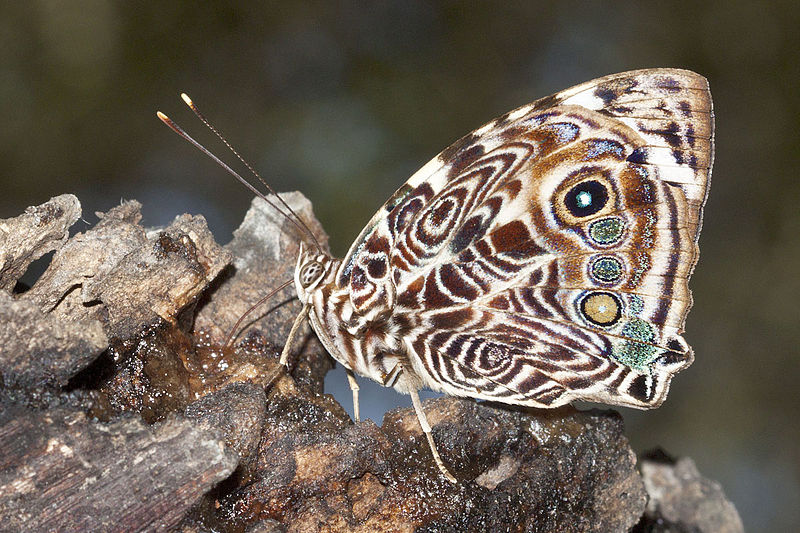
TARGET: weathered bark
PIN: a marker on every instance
(39, 349)
(39, 230)
(559, 470)
(62, 472)
(128, 325)
(680, 499)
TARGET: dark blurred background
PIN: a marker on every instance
(345, 100)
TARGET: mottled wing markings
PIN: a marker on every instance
(549, 368)
(545, 257)
(680, 101)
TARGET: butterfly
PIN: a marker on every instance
(541, 259)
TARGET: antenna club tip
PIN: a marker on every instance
(161, 115)
(186, 99)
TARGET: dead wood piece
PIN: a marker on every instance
(560, 470)
(149, 376)
(159, 280)
(39, 350)
(140, 277)
(134, 282)
(163, 370)
(237, 412)
(60, 472)
(39, 230)
(267, 526)
(683, 500)
(88, 255)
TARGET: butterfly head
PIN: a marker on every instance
(314, 269)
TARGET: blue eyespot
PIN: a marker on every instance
(586, 198)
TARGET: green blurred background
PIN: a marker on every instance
(344, 100)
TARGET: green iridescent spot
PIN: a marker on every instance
(607, 269)
(636, 305)
(639, 330)
(606, 230)
(637, 351)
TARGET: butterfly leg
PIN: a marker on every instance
(427, 430)
(287, 347)
(351, 379)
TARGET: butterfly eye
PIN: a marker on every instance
(310, 273)
(586, 198)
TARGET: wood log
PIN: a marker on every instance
(124, 410)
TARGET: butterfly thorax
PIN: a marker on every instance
(368, 344)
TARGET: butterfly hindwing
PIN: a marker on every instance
(545, 257)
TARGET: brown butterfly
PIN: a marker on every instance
(541, 259)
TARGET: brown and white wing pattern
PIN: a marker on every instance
(545, 257)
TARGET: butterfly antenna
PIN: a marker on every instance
(177, 129)
(262, 301)
(222, 138)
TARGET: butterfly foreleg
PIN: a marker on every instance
(391, 378)
(287, 347)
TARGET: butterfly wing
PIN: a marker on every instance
(545, 257)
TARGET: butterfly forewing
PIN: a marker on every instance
(671, 109)
(544, 257)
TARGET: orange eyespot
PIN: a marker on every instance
(601, 308)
